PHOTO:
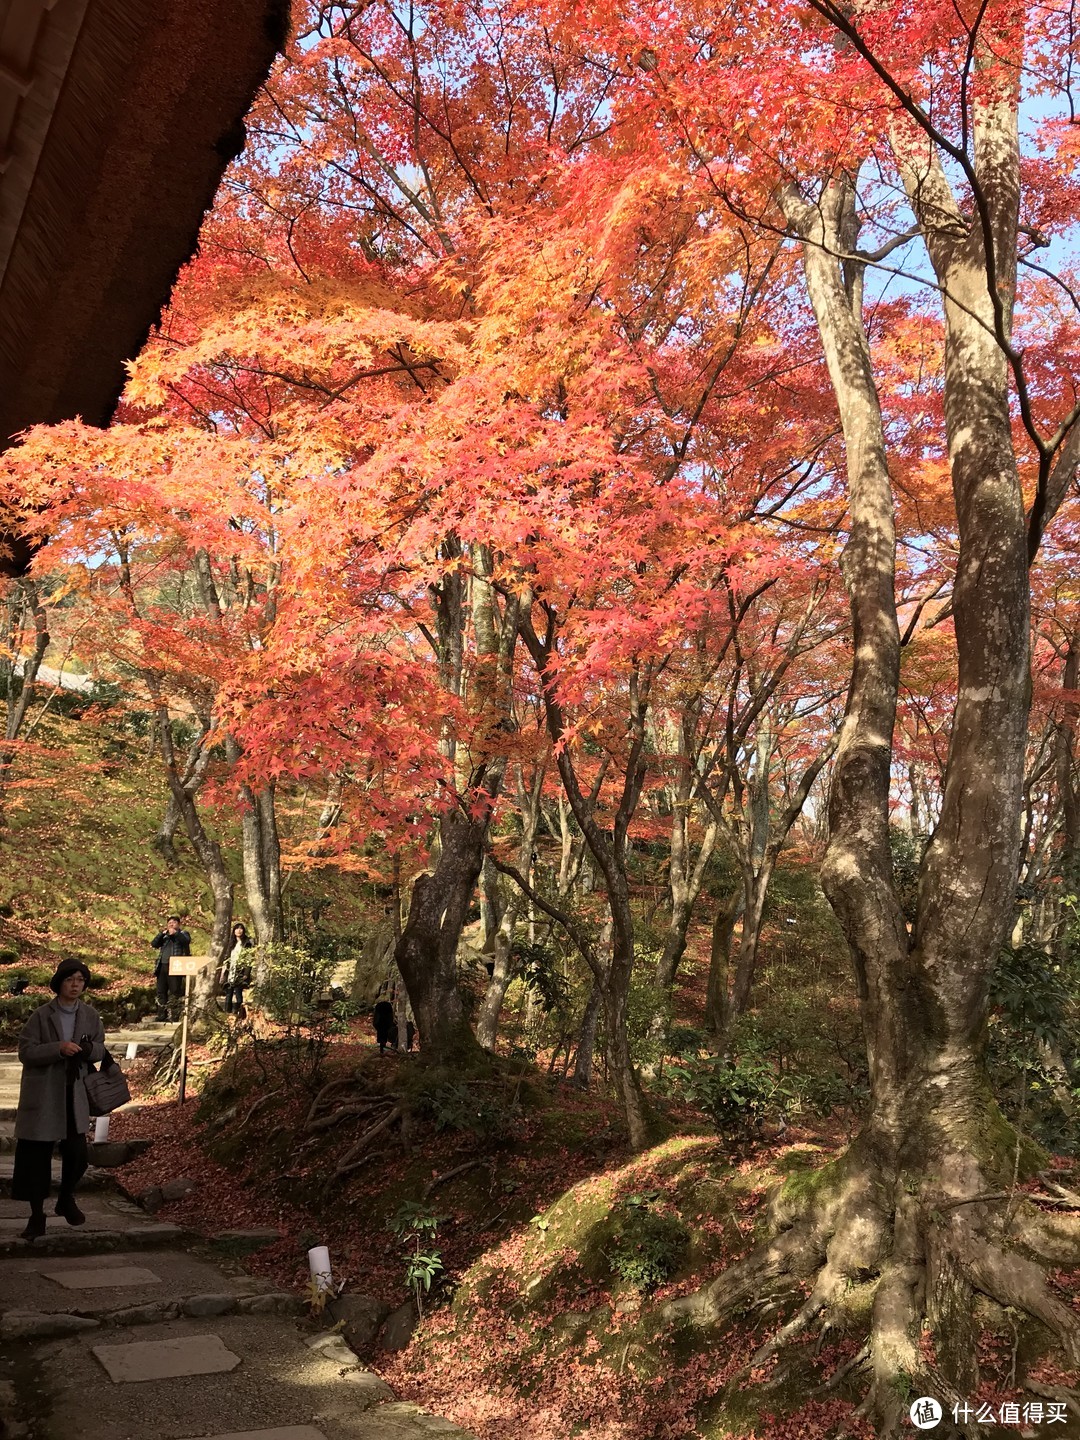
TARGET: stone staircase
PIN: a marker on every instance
(130, 1327)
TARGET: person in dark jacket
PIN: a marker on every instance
(236, 973)
(56, 1045)
(385, 1025)
(169, 942)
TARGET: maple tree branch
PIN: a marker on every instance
(577, 935)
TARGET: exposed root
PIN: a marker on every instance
(920, 1256)
(1068, 1397)
(449, 1175)
(343, 1112)
(855, 1362)
(351, 1159)
(330, 1088)
(260, 1104)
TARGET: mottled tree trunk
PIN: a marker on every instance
(586, 1041)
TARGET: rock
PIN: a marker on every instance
(253, 1239)
(110, 1154)
(151, 1199)
(32, 1325)
(150, 1314)
(177, 1189)
(367, 1388)
(334, 1349)
(198, 1306)
(360, 1317)
(278, 1302)
(399, 1327)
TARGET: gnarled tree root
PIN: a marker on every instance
(923, 1256)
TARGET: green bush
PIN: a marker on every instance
(291, 985)
(646, 1248)
(737, 1095)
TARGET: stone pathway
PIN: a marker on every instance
(125, 1329)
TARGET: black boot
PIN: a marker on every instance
(65, 1206)
(35, 1226)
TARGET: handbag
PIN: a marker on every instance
(106, 1087)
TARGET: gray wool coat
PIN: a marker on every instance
(42, 1112)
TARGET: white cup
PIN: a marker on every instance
(101, 1129)
(318, 1259)
(132, 1050)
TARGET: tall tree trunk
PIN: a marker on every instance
(917, 1201)
(753, 917)
(487, 1019)
(261, 856)
(192, 775)
(426, 954)
(212, 861)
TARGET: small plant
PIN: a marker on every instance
(454, 1105)
(416, 1226)
(646, 1248)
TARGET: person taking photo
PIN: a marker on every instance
(169, 942)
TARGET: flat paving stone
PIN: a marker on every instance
(102, 1277)
(166, 1359)
(279, 1432)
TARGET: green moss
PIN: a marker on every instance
(1002, 1150)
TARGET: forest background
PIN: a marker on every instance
(605, 472)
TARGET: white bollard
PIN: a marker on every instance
(132, 1050)
(318, 1258)
(101, 1129)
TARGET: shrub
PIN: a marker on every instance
(737, 1095)
(646, 1248)
(1033, 1055)
(455, 1105)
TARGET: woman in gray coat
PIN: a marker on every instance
(56, 1044)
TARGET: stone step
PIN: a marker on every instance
(112, 1223)
(262, 1376)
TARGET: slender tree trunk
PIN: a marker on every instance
(487, 1020)
(750, 942)
(25, 601)
(717, 1008)
(192, 776)
(212, 861)
(586, 1041)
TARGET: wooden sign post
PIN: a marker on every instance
(186, 965)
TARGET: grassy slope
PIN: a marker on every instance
(78, 872)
